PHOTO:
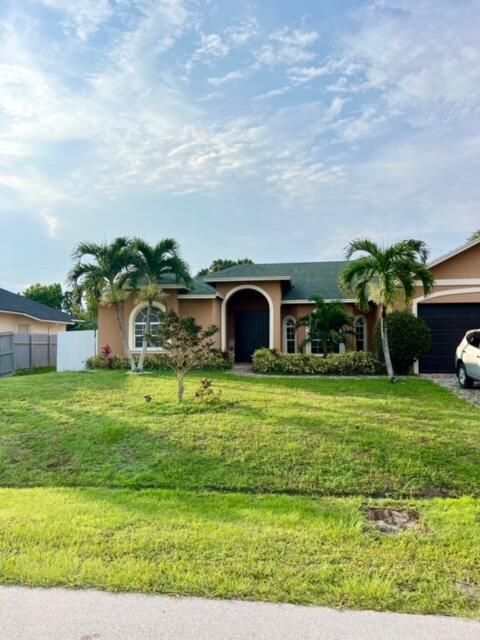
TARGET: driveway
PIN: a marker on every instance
(59, 614)
(450, 382)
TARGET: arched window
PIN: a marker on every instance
(290, 335)
(361, 334)
(140, 327)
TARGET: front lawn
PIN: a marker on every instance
(322, 437)
(158, 497)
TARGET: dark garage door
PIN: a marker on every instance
(449, 323)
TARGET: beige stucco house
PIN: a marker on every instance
(257, 305)
(22, 315)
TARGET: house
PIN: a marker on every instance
(19, 314)
(257, 306)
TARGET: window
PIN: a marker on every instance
(140, 327)
(360, 334)
(290, 335)
(316, 347)
(474, 340)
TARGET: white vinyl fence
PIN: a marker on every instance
(74, 348)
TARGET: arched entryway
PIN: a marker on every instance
(247, 321)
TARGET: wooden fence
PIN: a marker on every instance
(26, 351)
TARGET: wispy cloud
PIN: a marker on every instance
(288, 46)
(237, 74)
(82, 17)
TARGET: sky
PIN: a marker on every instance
(273, 129)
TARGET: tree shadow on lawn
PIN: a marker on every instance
(98, 449)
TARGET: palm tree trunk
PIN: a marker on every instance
(385, 345)
(123, 334)
(141, 362)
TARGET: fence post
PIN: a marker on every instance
(30, 351)
(49, 356)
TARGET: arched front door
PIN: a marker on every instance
(247, 323)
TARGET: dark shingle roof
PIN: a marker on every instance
(14, 303)
(200, 288)
(308, 278)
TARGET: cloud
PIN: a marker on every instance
(288, 46)
(274, 93)
(237, 74)
(303, 75)
(211, 47)
(243, 32)
(83, 17)
(210, 96)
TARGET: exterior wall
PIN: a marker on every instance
(9, 322)
(463, 265)
(206, 312)
(458, 277)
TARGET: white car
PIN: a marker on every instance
(467, 359)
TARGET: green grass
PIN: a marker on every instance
(323, 437)
(278, 548)
(192, 499)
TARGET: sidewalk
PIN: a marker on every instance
(59, 614)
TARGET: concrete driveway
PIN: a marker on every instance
(59, 614)
(449, 381)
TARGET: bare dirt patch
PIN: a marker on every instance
(391, 520)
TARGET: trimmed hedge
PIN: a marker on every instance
(338, 364)
(409, 338)
(154, 362)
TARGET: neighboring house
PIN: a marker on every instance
(257, 306)
(19, 314)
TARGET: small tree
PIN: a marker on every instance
(186, 346)
(328, 322)
(475, 236)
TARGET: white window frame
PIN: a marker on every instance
(365, 332)
(131, 327)
(286, 320)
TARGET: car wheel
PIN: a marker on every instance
(463, 378)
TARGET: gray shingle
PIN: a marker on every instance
(14, 303)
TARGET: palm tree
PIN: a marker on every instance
(383, 275)
(328, 322)
(103, 281)
(152, 263)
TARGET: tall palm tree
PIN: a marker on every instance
(103, 280)
(383, 275)
(152, 263)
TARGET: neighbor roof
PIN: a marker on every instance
(307, 278)
(14, 303)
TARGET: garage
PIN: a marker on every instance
(449, 323)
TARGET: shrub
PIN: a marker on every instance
(409, 338)
(156, 362)
(341, 364)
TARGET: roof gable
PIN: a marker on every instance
(17, 304)
(462, 263)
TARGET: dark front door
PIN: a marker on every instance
(251, 333)
(449, 323)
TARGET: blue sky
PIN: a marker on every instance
(274, 129)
